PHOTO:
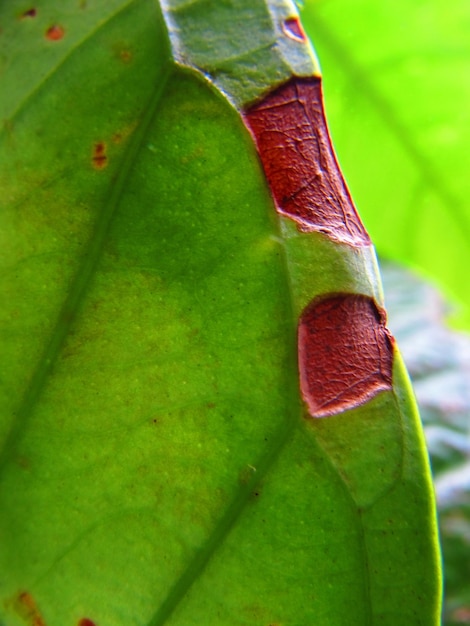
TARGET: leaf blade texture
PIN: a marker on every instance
(159, 465)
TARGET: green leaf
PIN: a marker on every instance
(158, 464)
(397, 92)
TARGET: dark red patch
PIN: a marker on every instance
(293, 29)
(55, 33)
(293, 142)
(86, 621)
(99, 158)
(345, 353)
(29, 13)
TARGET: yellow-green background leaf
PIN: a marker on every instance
(398, 100)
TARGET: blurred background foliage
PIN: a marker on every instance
(397, 92)
(438, 360)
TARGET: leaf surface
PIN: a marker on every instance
(158, 464)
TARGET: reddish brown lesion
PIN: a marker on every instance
(293, 29)
(26, 608)
(99, 157)
(86, 621)
(125, 55)
(345, 353)
(297, 155)
(55, 32)
(29, 13)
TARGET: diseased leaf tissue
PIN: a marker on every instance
(345, 350)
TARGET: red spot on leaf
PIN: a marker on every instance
(295, 148)
(99, 158)
(25, 606)
(55, 33)
(125, 55)
(29, 13)
(345, 353)
(86, 621)
(293, 29)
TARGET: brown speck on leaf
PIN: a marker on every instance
(99, 158)
(55, 32)
(29, 13)
(26, 608)
(125, 55)
(123, 133)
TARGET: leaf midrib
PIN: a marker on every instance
(223, 527)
